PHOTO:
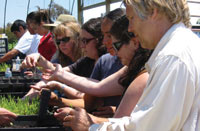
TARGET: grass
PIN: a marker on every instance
(19, 106)
(4, 66)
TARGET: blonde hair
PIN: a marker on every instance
(175, 10)
(74, 28)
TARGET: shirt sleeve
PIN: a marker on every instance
(165, 103)
(24, 43)
(96, 73)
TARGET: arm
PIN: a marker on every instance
(132, 95)
(9, 55)
(6, 117)
(106, 87)
(77, 118)
(165, 103)
(36, 59)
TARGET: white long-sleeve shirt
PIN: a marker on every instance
(171, 100)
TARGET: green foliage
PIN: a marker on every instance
(56, 10)
(4, 66)
(12, 45)
(11, 37)
(19, 106)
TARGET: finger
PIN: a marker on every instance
(67, 124)
(68, 118)
(28, 62)
(35, 87)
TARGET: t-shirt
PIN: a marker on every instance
(47, 46)
(27, 44)
(106, 66)
(34, 44)
(83, 66)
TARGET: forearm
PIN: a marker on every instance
(9, 55)
(82, 84)
(71, 92)
(63, 102)
(106, 87)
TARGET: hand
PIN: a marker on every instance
(30, 60)
(50, 75)
(53, 85)
(39, 85)
(106, 111)
(6, 117)
(76, 118)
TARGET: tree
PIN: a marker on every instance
(56, 10)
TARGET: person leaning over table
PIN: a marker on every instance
(6, 117)
(91, 43)
(69, 51)
(131, 55)
(27, 42)
(171, 98)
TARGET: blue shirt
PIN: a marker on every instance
(106, 66)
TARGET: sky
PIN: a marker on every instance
(17, 9)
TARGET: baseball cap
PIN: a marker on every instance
(61, 19)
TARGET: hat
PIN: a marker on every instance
(62, 19)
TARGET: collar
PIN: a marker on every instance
(162, 43)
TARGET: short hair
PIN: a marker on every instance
(93, 26)
(175, 10)
(31, 16)
(115, 14)
(15, 26)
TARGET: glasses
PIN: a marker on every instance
(117, 45)
(65, 40)
(85, 40)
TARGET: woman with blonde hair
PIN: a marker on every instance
(66, 37)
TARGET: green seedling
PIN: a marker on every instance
(19, 106)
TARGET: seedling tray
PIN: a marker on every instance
(41, 122)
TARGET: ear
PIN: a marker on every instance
(135, 42)
(154, 13)
(21, 29)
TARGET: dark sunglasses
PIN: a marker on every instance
(65, 40)
(117, 45)
(85, 40)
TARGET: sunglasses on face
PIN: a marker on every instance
(85, 40)
(117, 45)
(64, 40)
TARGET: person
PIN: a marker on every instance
(46, 46)
(69, 50)
(26, 40)
(170, 100)
(132, 55)
(6, 117)
(108, 63)
(91, 42)
(36, 37)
